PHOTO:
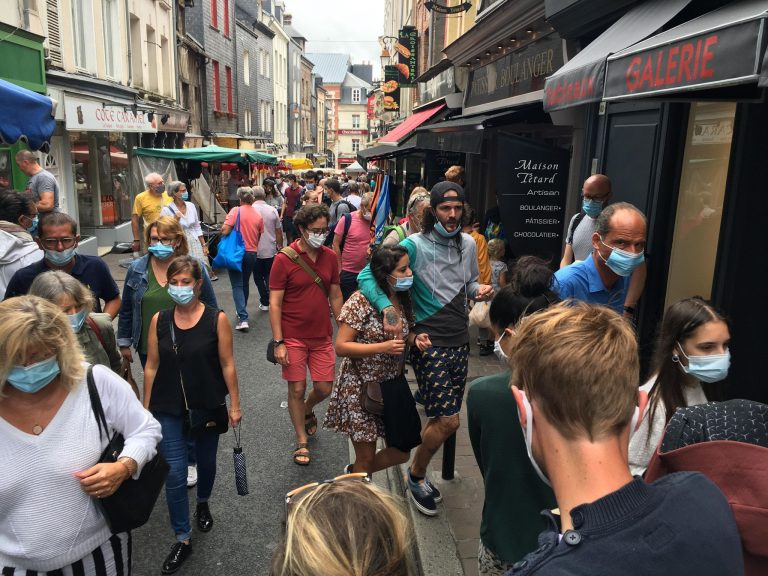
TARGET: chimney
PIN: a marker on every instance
(287, 19)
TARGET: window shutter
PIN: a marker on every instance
(54, 35)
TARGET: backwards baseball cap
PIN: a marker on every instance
(439, 190)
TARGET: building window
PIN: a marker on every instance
(185, 95)
(215, 13)
(216, 87)
(82, 24)
(355, 145)
(356, 95)
(111, 33)
(225, 15)
(228, 72)
(246, 68)
(355, 120)
(247, 121)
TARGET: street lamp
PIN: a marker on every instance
(386, 49)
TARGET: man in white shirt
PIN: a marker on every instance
(271, 238)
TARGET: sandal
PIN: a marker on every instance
(310, 423)
(301, 454)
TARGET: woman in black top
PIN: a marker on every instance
(197, 373)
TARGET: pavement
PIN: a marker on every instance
(247, 529)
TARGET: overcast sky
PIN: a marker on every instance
(346, 26)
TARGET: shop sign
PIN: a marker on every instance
(353, 132)
(437, 86)
(533, 187)
(371, 106)
(91, 116)
(712, 131)
(174, 122)
(704, 61)
(576, 87)
(407, 48)
(443, 9)
(516, 73)
(391, 88)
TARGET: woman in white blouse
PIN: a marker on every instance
(691, 358)
(186, 213)
(50, 447)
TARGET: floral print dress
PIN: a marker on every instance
(345, 409)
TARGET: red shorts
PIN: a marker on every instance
(316, 353)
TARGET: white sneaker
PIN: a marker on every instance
(242, 326)
(263, 308)
(191, 476)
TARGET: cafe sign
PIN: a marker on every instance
(91, 116)
(407, 48)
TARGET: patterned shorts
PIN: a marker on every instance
(488, 564)
(441, 374)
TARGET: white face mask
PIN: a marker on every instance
(528, 435)
(316, 240)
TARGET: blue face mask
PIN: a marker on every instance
(592, 208)
(60, 258)
(185, 195)
(181, 294)
(161, 251)
(35, 377)
(622, 262)
(712, 368)
(403, 283)
(77, 320)
(440, 229)
(33, 228)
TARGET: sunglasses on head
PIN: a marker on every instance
(295, 494)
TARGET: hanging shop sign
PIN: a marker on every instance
(407, 48)
(516, 73)
(361, 132)
(391, 88)
(91, 116)
(442, 9)
(437, 86)
(371, 106)
(532, 200)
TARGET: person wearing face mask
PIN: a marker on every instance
(52, 479)
(303, 290)
(444, 263)
(186, 213)
(190, 365)
(18, 227)
(352, 242)
(95, 332)
(144, 292)
(512, 488)
(690, 362)
(57, 236)
(574, 379)
(369, 354)
(618, 249)
(147, 207)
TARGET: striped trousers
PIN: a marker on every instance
(113, 558)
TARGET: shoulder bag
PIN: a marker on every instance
(199, 420)
(131, 505)
(231, 249)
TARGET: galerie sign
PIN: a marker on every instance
(90, 116)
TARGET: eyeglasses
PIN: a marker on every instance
(589, 196)
(53, 243)
(163, 241)
(291, 496)
(317, 230)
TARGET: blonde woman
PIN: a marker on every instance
(51, 446)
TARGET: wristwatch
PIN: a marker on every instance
(629, 310)
(278, 342)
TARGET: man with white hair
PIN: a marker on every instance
(147, 206)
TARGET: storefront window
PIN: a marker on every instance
(701, 199)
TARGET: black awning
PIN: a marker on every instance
(724, 47)
(386, 151)
(581, 79)
(441, 66)
(462, 134)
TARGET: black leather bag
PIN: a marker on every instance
(132, 503)
(271, 352)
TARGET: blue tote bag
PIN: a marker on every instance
(231, 249)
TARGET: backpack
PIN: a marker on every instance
(332, 233)
(398, 228)
(575, 224)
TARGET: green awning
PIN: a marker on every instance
(209, 154)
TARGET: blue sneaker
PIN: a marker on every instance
(436, 495)
(421, 496)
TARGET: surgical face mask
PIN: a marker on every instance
(76, 321)
(35, 377)
(33, 228)
(440, 229)
(316, 240)
(528, 434)
(60, 258)
(403, 283)
(712, 368)
(160, 188)
(181, 294)
(592, 208)
(161, 251)
(498, 350)
(622, 262)
(185, 195)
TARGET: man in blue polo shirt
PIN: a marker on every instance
(618, 247)
(57, 236)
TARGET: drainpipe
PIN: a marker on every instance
(128, 37)
(176, 44)
(25, 14)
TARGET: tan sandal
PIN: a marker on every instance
(301, 454)
(310, 422)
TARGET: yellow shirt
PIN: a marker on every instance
(483, 262)
(148, 205)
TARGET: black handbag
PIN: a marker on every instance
(271, 352)
(132, 503)
(200, 420)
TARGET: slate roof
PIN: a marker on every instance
(352, 81)
(333, 67)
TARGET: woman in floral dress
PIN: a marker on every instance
(371, 355)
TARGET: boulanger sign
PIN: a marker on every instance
(92, 116)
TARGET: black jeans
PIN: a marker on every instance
(348, 282)
(261, 276)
